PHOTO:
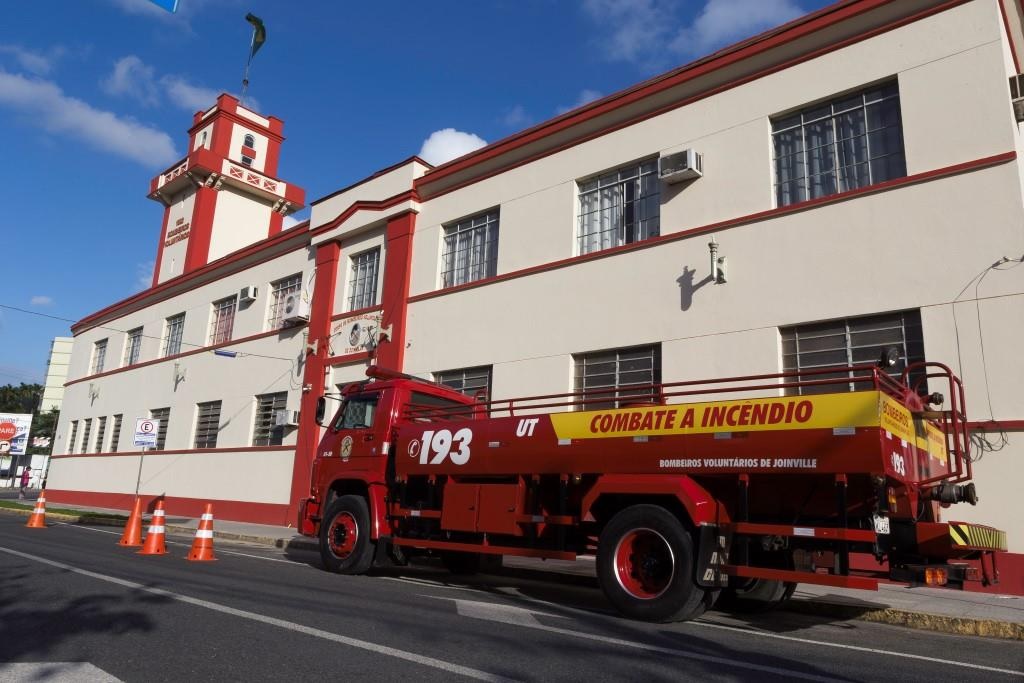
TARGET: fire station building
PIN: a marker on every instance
(857, 172)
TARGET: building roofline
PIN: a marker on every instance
(414, 158)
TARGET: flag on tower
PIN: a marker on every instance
(169, 5)
(259, 34)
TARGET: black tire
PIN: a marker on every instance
(462, 564)
(345, 543)
(645, 565)
(756, 595)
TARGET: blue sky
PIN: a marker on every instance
(96, 96)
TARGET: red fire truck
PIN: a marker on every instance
(687, 492)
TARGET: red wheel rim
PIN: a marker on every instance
(644, 564)
(342, 535)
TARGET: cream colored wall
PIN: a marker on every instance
(238, 134)
(200, 142)
(384, 186)
(353, 246)
(240, 220)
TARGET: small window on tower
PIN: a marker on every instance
(246, 161)
(250, 141)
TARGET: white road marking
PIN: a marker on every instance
(80, 672)
(632, 644)
(272, 621)
(225, 552)
(431, 584)
(858, 648)
(495, 611)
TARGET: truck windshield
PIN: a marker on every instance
(357, 413)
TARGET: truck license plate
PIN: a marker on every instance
(881, 524)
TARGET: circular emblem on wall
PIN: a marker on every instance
(355, 334)
(346, 448)
(414, 448)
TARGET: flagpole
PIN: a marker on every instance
(248, 62)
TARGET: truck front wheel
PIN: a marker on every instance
(645, 566)
(345, 543)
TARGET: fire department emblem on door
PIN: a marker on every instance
(346, 448)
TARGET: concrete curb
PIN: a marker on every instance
(967, 626)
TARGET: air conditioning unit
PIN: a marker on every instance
(286, 418)
(1017, 96)
(248, 294)
(296, 310)
(685, 165)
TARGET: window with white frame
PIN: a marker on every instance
(86, 434)
(101, 433)
(115, 433)
(475, 382)
(99, 356)
(222, 320)
(470, 249)
(174, 328)
(619, 207)
(279, 293)
(207, 424)
(73, 437)
(362, 281)
(850, 341)
(133, 347)
(249, 141)
(164, 415)
(617, 377)
(264, 432)
(847, 143)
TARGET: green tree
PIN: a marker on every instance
(24, 398)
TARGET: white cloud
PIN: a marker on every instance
(650, 33)
(144, 275)
(586, 96)
(35, 62)
(186, 95)
(516, 117)
(132, 78)
(46, 106)
(41, 300)
(447, 144)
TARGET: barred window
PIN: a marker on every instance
(264, 432)
(164, 415)
(207, 424)
(101, 432)
(850, 142)
(470, 249)
(99, 356)
(73, 437)
(851, 341)
(362, 282)
(133, 347)
(618, 370)
(115, 433)
(222, 322)
(279, 293)
(475, 382)
(174, 327)
(86, 433)
(619, 207)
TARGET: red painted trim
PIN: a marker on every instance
(996, 425)
(719, 60)
(1009, 35)
(367, 205)
(355, 312)
(328, 258)
(185, 451)
(276, 223)
(733, 222)
(273, 157)
(233, 510)
(160, 247)
(249, 152)
(395, 292)
(197, 254)
(383, 171)
(347, 358)
(191, 352)
(194, 279)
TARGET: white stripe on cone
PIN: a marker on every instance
(206, 517)
(204, 533)
(156, 529)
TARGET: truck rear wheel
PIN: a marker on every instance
(345, 543)
(645, 564)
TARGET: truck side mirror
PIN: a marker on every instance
(321, 410)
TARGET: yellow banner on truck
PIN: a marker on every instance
(824, 411)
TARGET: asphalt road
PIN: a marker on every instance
(70, 595)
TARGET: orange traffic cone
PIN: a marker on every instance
(202, 546)
(132, 535)
(154, 544)
(37, 520)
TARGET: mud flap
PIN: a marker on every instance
(712, 557)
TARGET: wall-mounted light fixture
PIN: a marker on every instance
(94, 391)
(718, 264)
(179, 374)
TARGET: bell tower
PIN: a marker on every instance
(225, 194)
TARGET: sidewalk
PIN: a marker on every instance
(933, 609)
